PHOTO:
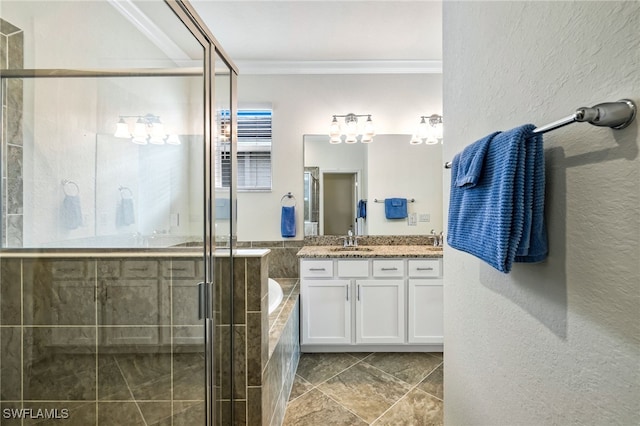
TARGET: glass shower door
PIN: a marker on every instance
(107, 219)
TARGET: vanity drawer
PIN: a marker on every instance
(388, 268)
(316, 268)
(424, 268)
(353, 268)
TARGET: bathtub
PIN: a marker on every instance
(275, 294)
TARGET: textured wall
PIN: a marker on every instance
(557, 342)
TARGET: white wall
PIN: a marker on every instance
(402, 170)
(304, 104)
(557, 343)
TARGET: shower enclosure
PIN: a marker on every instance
(116, 241)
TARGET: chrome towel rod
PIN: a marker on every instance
(409, 200)
(616, 115)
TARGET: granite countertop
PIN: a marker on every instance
(370, 251)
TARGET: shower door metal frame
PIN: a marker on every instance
(212, 50)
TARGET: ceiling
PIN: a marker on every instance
(327, 36)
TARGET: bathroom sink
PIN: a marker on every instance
(351, 249)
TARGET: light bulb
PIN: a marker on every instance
(140, 129)
(157, 134)
(438, 131)
(122, 129)
(334, 128)
(368, 129)
(173, 139)
(335, 140)
(415, 140)
(431, 140)
(366, 138)
(351, 138)
(423, 129)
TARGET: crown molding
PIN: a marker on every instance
(265, 67)
(154, 33)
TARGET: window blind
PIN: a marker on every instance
(254, 150)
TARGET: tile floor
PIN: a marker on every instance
(367, 389)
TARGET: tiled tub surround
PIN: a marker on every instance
(114, 337)
(284, 353)
(283, 262)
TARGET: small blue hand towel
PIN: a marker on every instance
(125, 215)
(288, 221)
(71, 212)
(223, 210)
(362, 209)
(489, 214)
(395, 208)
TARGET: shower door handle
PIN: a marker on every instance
(204, 297)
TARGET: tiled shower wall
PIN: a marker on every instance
(112, 340)
(118, 340)
(11, 57)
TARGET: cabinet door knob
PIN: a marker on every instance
(347, 288)
(425, 269)
(389, 269)
(317, 269)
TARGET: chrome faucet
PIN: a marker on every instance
(437, 238)
(349, 240)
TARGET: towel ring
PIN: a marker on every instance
(123, 191)
(67, 187)
(290, 196)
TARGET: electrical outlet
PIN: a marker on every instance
(413, 219)
(424, 217)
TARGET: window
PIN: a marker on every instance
(254, 150)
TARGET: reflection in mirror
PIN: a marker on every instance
(148, 193)
(129, 195)
(357, 178)
(311, 200)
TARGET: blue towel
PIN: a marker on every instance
(490, 212)
(223, 210)
(362, 209)
(125, 215)
(395, 208)
(71, 212)
(288, 221)
(471, 161)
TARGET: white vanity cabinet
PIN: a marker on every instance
(326, 311)
(373, 303)
(425, 303)
(380, 313)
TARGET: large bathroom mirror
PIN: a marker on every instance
(345, 186)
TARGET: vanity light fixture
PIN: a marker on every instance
(146, 129)
(429, 130)
(350, 130)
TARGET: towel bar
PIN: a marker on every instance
(409, 200)
(616, 115)
(66, 184)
